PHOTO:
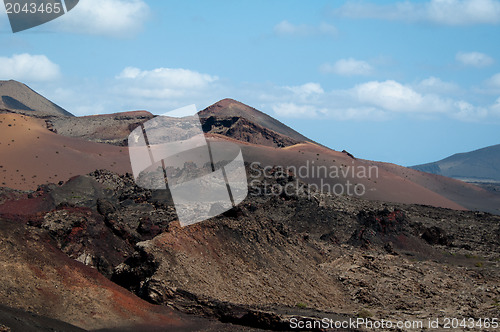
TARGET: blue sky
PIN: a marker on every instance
(406, 82)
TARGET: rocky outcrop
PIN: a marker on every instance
(276, 256)
(229, 109)
(109, 128)
(243, 130)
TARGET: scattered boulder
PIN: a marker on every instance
(105, 207)
(435, 235)
(380, 227)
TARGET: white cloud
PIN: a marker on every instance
(490, 86)
(306, 89)
(373, 100)
(396, 11)
(166, 79)
(359, 113)
(305, 111)
(445, 12)
(378, 101)
(464, 12)
(348, 67)
(285, 28)
(294, 110)
(163, 89)
(436, 85)
(389, 95)
(294, 101)
(465, 111)
(474, 59)
(395, 97)
(115, 18)
(28, 68)
(495, 108)
(494, 81)
(158, 91)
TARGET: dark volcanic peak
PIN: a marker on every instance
(478, 165)
(230, 109)
(17, 97)
(243, 130)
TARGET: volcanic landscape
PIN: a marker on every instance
(82, 247)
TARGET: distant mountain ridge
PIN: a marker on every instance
(16, 97)
(68, 144)
(478, 165)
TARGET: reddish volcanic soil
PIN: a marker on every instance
(32, 155)
(37, 156)
(468, 195)
(39, 278)
(383, 185)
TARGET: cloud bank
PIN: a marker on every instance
(347, 67)
(442, 12)
(28, 68)
(474, 59)
(285, 28)
(112, 18)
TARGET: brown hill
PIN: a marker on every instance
(33, 155)
(226, 117)
(237, 120)
(395, 183)
(468, 195)
(18, 98)
(330, 171)
(37, 156)
(386, 182)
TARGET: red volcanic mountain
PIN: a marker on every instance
(33, 155)
(231, 118)
(77, 243)
(55, 149)
(19, 98)
(271, 143)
